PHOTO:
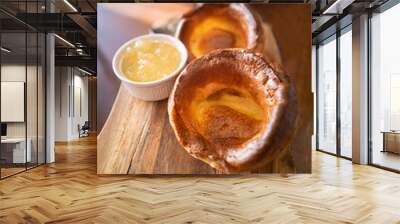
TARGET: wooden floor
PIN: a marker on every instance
(10, 171)
(69, 191)
(387, 159)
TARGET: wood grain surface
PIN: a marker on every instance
(137, 138)
(145, 145)
(70, 191)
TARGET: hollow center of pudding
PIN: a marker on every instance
(228, 116)
(217, 32)
(217, 39)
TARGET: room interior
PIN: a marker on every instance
(49, 126)
(25, 114)
(333, 72)
(22, 103)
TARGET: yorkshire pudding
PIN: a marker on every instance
(218, 26)
(233, 110)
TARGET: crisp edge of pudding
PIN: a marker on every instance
(261, 150)
(248, 17)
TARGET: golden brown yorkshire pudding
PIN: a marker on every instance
(218, 26)
(232, 110)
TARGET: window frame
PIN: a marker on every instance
(27, 29)
(380, 9)
(335, 36)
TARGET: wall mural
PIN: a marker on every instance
(204, 88)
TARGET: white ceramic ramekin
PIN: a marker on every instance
(154, 90)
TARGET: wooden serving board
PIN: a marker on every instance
(138, 139)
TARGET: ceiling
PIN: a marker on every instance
(72, 20)
(76, 22)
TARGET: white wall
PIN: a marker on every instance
(33, 127)
(12, 101)
(12, 73)
(62, 81)
(71, 93)
(80, 110)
